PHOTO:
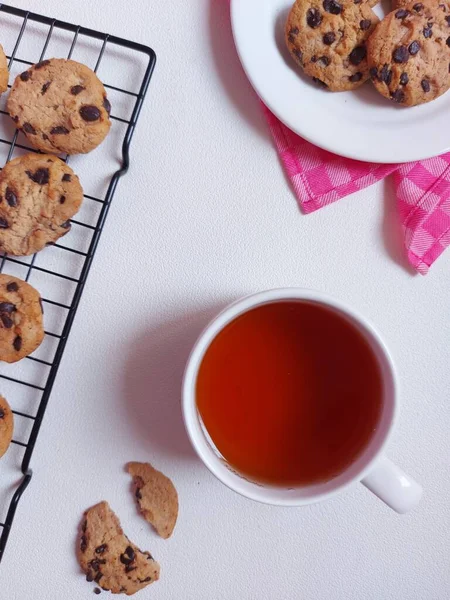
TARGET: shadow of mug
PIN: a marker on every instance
(152, 381)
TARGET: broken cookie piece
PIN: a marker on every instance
(156, 496)
(108, 557)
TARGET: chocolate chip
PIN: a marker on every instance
(7, 307)
(3, 223)
(138, 494)
(97, 591)
(425, 85)
(355, 77)
(400, 54)
(7, 321)
(59, 130)
(294, 31)
(107, 104)
(17, 343)
(357, 1)
(90, 576)
(62, 199)
(15, 119)
(291, 38)
(10, 197)
(298, 54)
(329, 38)
(414, 48)
(101, 549)
(427, 33)
(398, 96)
(313, 59)
(373, 72)
(401, 13)
(96, 562)
(447, 41)
(404, 78)
(319, 82)
(313, 17)
(130, 552)
(41, 176)
(332, 6)
(128, 556)
(76, 89)
(365, 24)
(45, 87)
(90, 113)
(83, 544)
(2, 413)
(67, 177)
(42, 64)
(98, 577)
(28, 128)
(129, 568)
(25, 76)
(146, 580)
(447, 18)
(12, 287)
(418, 6)
(357, 55)
(45, 136)
(324, 60)
(65, 225)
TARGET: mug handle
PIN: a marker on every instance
(397, 489)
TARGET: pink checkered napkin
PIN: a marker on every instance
(319, 178)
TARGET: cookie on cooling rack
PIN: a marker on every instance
(327, 39)
(409, 53)
(21, 322)
(6, 425)
(108, 557)
(38, 195)
(4, 73)
(61, 106)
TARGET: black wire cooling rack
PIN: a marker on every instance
(38, 387)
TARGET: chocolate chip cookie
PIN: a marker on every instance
(156, 496)
(61, 106)
(108, 557)
(4, 73)
(21, 327)
(327, 38)
(38, 195)
(6, 425)
(409, 53)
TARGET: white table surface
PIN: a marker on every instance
(204, 216)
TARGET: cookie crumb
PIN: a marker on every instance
(109, 558)
(156, 496)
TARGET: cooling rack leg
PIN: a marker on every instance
(12, 511)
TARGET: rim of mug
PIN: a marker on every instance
(203, 445)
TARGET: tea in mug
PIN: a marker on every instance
(290, 393)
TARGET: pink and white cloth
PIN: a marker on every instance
(319, 178)
(422, 188)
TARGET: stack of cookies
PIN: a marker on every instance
(61, 107)
(341, 44)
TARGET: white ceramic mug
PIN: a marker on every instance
(372, 468)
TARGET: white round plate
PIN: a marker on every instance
(362, 124)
